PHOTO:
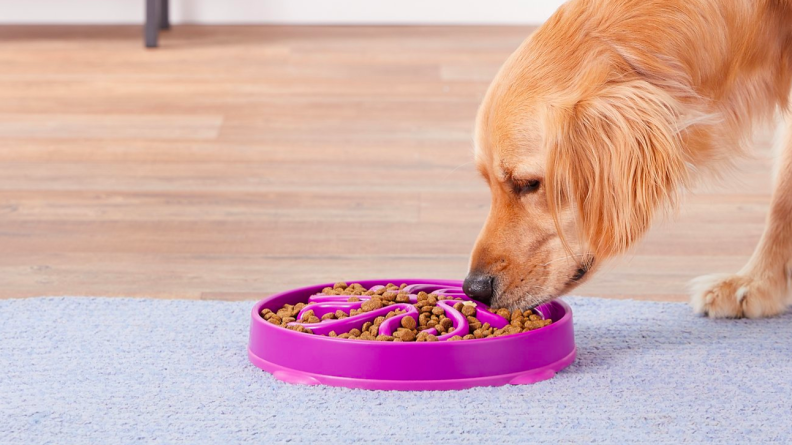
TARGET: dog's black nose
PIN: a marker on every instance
(479, 287)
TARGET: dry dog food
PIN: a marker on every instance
(431, 315)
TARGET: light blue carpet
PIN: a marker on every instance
(106, 371)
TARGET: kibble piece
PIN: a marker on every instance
(469, 337)
(275, 320)
(366, 326)
(402, 298)
(534, 317)
(469, 310)
(431, 299)
(431, 323)
(431, 337)
(373, 304)
(438, 310)
(328, 316)
(353, 299)
(284, 312)
(341, 314)
(374, 330)
(384, 338)
(407, 335)
(426, 309)
(422, 296)
(446, 323)
(354, 332)
(455, 338)
(408, 322)
(458, 306)
(327, 290)
(340, 285)
(504, 313)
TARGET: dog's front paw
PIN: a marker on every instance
(735, 296)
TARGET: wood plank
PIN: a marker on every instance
(104, 126)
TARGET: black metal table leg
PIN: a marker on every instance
(151, 28)
(164, 14)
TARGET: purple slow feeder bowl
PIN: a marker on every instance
(300, 358)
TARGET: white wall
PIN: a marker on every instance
(284, 11)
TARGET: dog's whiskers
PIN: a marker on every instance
(565, 258)
(457, 168)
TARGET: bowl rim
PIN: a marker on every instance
(256, 318)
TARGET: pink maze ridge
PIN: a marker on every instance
(325, 304)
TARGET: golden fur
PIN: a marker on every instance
(614, 106)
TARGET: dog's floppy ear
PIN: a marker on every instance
(616, 158)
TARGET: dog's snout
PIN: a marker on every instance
(479, 287)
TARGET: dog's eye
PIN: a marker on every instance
(525, 187)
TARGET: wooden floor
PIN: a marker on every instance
(234, 162)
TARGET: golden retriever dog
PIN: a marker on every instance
(598, 121)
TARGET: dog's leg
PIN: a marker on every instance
(761, 288)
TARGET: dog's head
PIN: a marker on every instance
(579, 155)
